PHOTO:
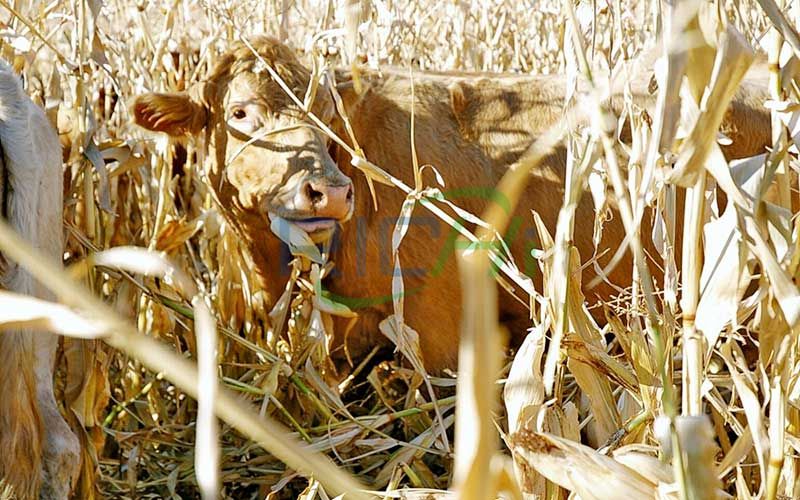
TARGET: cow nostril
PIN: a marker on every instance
(350, 193)
(314, 196)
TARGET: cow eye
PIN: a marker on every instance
(239, 114)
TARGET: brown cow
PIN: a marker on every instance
(39, 454)
(470, 128)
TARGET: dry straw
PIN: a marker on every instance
(692, 399)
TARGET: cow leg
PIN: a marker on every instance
(20, 422)
(61, 454)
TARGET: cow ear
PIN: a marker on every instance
(459, 97)
(175, 114)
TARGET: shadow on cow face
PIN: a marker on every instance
(279, 162)
(266, 149)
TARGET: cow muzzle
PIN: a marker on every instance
(319, 205)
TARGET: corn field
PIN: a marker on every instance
(687, 390)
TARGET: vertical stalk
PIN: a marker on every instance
(80, 101)
(79, 46)
(559, 276)
(777, 405)
(634, 181)
(479, 363)
(782, 176)
(777, 434)
(164, 174)
(690, 297)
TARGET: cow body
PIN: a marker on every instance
(471, 151)
(40, 454)
(471, 129)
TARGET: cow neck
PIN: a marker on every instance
(344, 239)
(351, 99)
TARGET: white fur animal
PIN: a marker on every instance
(39, 454)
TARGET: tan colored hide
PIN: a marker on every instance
(469, 127)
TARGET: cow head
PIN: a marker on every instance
(270, 161)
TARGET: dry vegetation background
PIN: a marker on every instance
(85, 60)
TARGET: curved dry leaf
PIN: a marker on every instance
(21, 311)
(147, 262)
(734, 56)
(405, 455)
(724, 277)
(752, 407)
(523, 393)
(177, 232)
(789, 114)
(603, 365)
(643, 460)
(96, 158)
(400, 229)
(324, 303)
(419, 494)
(298, 240)
(590, 369)
(570, 465)
(316, 381)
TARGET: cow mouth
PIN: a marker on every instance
(318, 229)
(314, 225)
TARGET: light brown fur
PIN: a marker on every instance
(470, 128)
(39, 454)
